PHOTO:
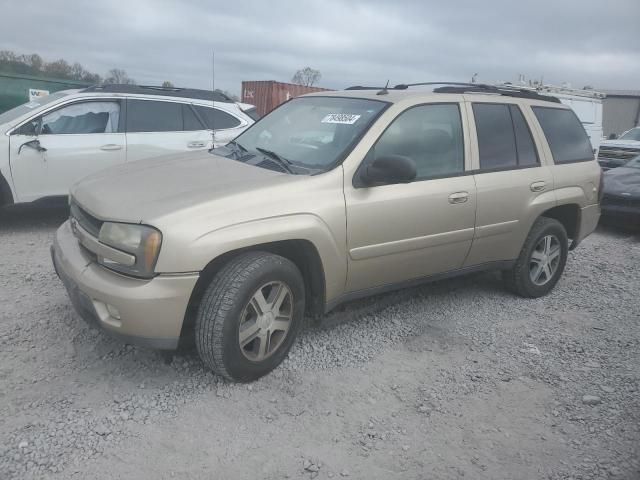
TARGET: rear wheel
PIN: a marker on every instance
(250, 315)
(541, 260)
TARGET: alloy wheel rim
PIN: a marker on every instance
(545, 259)
(265, 321)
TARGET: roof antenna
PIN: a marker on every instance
(385, 90)
(213, 99)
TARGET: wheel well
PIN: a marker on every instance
(568, 216)
(301, 252)
(6, 198)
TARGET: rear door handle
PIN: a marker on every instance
(458, 197)
(195, 144)
(538, 186)
(111, 146)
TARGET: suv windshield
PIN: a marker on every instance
(633, 134)
(31, 106)
(305, 135)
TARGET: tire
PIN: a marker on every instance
(521, 278)
(233, 299)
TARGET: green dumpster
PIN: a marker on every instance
(16, 89)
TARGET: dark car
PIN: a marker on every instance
(621, 200)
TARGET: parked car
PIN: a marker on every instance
(617, 152)
(621, 200)
(331, 197)
(48, 144)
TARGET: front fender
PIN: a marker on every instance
(303, 226)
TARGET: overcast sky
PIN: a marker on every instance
(584, 42)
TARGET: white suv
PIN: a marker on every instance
(48, 144)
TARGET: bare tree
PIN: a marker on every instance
(307, 77)
(167, 84)
(59, 68)
(118, 75)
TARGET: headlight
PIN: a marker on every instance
(141, 241)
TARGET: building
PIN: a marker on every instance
(620, 111)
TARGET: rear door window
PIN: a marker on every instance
(216, 118)
(253, 113)
(496, 140)
(153, 116)
(565, 134)
(504, 138)
(191, 122)
(526, 149)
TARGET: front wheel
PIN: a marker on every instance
(250, 315)
(541, 260)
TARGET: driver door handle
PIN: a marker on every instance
(458, 197)
(111, 146)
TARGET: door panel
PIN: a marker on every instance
(141, 145)
(77, 139)
(28, 169)
(513, 185)
(507, 206)
(406, 231)
(67, 159)
(401, 232)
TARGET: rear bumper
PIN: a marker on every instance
(589, 217)
(151, 312)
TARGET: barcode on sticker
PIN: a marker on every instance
(344, 118)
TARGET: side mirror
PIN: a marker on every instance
(387, 170)
(612, 136)
(35, 144)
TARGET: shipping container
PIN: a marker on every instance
(16, 89)
(268, 94)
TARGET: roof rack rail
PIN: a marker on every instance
(463, 87)
(158, 90)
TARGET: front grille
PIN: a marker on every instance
(618, 153)
(621, 201)
(87, 221)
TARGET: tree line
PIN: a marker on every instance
(34, 64)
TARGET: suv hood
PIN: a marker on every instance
(620, 143)
(622, 181)
(144, 190)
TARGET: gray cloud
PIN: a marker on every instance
(583, 42)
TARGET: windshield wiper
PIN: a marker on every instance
(237, 151)
(283, 162)
(236, 144)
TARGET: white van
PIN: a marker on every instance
(50, 143)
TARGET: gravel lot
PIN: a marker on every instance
(457, 379)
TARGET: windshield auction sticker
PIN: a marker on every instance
(344, 118)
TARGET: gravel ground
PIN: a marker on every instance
(456, 379)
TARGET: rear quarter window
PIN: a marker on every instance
(565, 134)
(216, 119)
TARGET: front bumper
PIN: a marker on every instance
(151, 312)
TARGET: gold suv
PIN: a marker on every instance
(331, 197)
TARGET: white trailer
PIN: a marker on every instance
(587, 104)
